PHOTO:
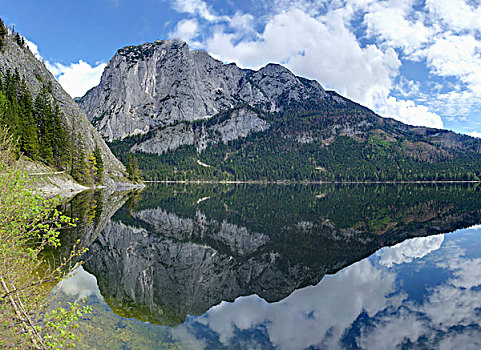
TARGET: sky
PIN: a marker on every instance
(418, 61)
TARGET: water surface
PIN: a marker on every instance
(280, 266)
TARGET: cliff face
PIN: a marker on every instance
(14, 57)
(156, 84)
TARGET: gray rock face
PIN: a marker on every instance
(156, 84)
(13, 57)
(240, 124)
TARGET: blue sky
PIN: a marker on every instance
(418, 61)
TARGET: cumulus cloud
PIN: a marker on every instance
(457, 15)
(390, 22)
(324, 48)
(80, 284)
(318, 48)
(77, 78)
(408, 112)
(195, 7)
(369, 303)
(33, 48)
(311, 315)
(186, 30)
(407, 251)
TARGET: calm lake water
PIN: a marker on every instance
(279, 266)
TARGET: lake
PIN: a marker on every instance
(279, 266)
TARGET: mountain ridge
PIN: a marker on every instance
(175, 107)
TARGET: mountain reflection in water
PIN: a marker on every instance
(246, 263)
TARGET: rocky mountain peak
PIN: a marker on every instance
(161, 83)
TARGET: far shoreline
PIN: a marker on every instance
(289, 182)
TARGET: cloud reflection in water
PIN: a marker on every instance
(367, 306)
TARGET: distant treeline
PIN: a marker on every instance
(275, 154)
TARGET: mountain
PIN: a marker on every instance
(188, 116)
(49, 125)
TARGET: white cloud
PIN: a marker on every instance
(388, 21)
(408, 112)
(409, 250)
(242, 22)
(474, 134)
(369, 303)
(455, 55)
(81, 284)
(310, 315)
(325, 49)
(195, 7)
(456, 14)
(77, 78)
(318, 48)
(33, 48)
(455, 104)
(186, 30)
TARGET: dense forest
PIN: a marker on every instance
(38, 125)
(375, 152)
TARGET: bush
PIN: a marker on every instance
(29, 223)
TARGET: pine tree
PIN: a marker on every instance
(78, 166)
(19, 39)
(3, 34)
(45, 124)
(130, 167)
(136, 171)
(133, 170)
(28, 132)
(100, 164)
(91, 169)
(59, 142)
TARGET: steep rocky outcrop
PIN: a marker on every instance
(156, 84)
(15, 57)
(240, 123)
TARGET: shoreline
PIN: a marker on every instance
(289, 182)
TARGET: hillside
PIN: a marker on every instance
(186, 115)
(48, 124)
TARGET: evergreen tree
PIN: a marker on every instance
(28, 131)
(91, 169)
(59, 142)
(19, 39)
(3, 34)
(78, 169)
(100, 163)
(44, 118)
(133, 170)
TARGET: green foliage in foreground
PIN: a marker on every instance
(29, 223)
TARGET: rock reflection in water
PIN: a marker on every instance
(167, 255)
